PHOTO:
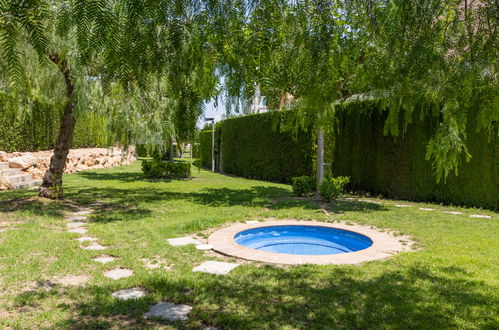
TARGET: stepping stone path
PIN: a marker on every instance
(82, 212)
(402, 205)
(453, 212)
(104, 259)
(480, 216)
(78, 231)
(181, 241)
(169, 311)
(118, 273)
(128, 294)
(77, 218)
(426, 209)
(94, 247)
(204, 247)
(86, 239)
(215, 267)
(75, 224)
(252, 221)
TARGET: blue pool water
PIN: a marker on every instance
(302, 240)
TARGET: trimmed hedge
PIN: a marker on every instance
(397, 168)
(253, 146)
(204, 149)
(37, 128)
(168, 170)
(303, 185)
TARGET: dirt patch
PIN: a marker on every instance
(156, 263)
(73, 280)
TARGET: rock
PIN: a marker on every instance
(169, 311)
(119, 273)
(127, 294)
(215, 267)
(22, 162)
(181, 241)
(3, 156)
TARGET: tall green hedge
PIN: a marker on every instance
(253, 146)
(204, 150)
(37, 127)
(396, 166)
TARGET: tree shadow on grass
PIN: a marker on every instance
(300, 297)
(36, 206)
(117, 176)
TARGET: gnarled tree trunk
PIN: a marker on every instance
(52, 180)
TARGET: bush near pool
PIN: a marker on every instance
(304, 186)
(331, 188)
(164, 169)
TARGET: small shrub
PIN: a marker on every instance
(331, 188)
(303, 185)
(168, 170)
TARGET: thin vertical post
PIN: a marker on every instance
(320, 158)
(213, 146)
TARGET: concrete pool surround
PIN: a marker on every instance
(384, 245)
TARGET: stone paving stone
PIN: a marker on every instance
(94, 247)
(119, 273)
(77, 218)
(86, 239)
(252, 221)
(169, 311)
(204, 247)
(181, 241)
(75, 224)
(104, 259)
(215, 267)
(78, 231)
(426, 209)
(453, 212)
(127, 294)
(86, 212)
(402, 205)
(480, 216)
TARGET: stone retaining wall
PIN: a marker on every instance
(36, 163)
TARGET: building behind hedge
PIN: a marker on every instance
(259, 147)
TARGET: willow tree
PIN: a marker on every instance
(116, 42)
(400, 54)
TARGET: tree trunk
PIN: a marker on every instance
(52, 180)
(170, 156)
(320, 159)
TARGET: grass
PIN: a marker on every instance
(452, 282)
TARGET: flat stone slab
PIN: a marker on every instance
(77, 218)
(128, 294)
(181, 241)
(480, 216)
(204, 247)
(119, 273)
(252, 221)
(85, 212)
(104, 259)
(96, 204)
(86, 239)
(76, 224)
(215, 267)
(78, 231)
(94, 247)
(453, 212)
(426, 209)
(401, 205)
(169, 311)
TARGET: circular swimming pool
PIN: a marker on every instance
(302, 240)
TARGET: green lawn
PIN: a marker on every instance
(452, 282)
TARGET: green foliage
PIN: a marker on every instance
(396, 167)
(258, 146)
(205, 148)
(37, 127)
(303, 185)
(331, 187)
(167, 170)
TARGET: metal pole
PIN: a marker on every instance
(320, 158)
(213, 146)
